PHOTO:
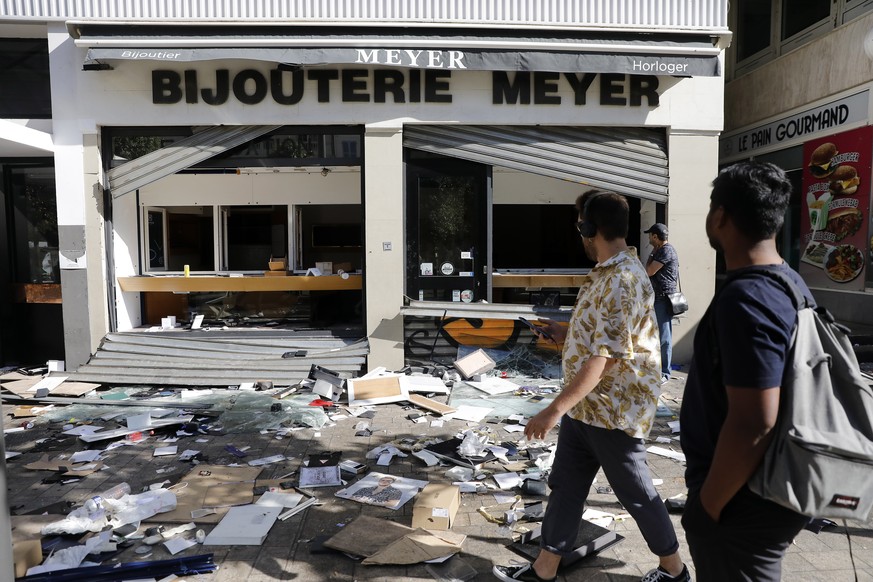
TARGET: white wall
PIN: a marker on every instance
(111, 96)
(693, 163)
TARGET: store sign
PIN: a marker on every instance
(289, 87)
(692, 57)
(796, 128)
(835, 210)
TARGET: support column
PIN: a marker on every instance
(80, 206)
(385, 245)
(693, 167)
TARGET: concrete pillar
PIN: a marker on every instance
(385, 245)
(693, 166)
(80, 206)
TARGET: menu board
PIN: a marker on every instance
(835, 216)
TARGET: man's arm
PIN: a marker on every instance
(583, 383)
(653, 266)
(742, 442)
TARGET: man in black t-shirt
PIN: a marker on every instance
(662, 267)
(731, 400)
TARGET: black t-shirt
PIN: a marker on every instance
(753, 319)
(666, 279)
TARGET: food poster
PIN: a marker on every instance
(835, 205)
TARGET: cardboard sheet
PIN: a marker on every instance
(376, 390)
(244, 525)
(64, 465)
(74, 389)
(476, 363)
(430, 404)
(210, 484)
(22, 386)
(367, 535)
(426, 384)
(111, 434)
(418, 546)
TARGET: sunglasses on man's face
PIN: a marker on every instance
(579, 226)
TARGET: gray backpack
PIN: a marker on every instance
(820, 462)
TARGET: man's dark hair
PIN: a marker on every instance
(755, 195)
(607, 211)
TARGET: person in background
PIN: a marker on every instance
(731, 400)
(611, 368)
(662, 267)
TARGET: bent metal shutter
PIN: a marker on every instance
(630, 161)
(183, 154)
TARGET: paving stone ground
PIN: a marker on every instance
(285, 555)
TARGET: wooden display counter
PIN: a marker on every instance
(37, 293)
(207, 284)
(541, 281)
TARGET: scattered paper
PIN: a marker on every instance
(507, 480)
(178, 544)
(85, 456)
(164, 451)
(667, 453)
(429, 459)
(279, 499)
(493, 385)
(266, 460)
(83, 429)
(471, 413)
(48, 383)
(674, 426)
(601, 518)
(389, 491)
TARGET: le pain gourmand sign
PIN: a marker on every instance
(835, 214)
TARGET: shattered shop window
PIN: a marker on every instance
(179, 236)
(34, 233)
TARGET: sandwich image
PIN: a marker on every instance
(820, 161)
(844, 181)
(844, 222)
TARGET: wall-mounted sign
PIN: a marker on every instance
(835, 205)
(447, 268)
(289, 87)
(648, 60)
(426, 269)
(796, 128)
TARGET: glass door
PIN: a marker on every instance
(447, 228)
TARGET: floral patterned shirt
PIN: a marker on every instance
(614, 317)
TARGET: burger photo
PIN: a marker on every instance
(844, 222)
(844, 181)
(820, 161)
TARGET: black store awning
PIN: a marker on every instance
(628, 53)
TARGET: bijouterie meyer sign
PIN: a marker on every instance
(431, 85)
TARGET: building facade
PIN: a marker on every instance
(401, 151)
(798, 94)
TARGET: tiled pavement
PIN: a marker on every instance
(286, 555)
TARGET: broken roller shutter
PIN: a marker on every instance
(183, 154)
(631, 161)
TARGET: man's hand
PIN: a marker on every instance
(556, 330)
(537, 427)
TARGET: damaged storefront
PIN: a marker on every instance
(282, 234)
(342, 177)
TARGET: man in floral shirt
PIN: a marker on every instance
(612, 372)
